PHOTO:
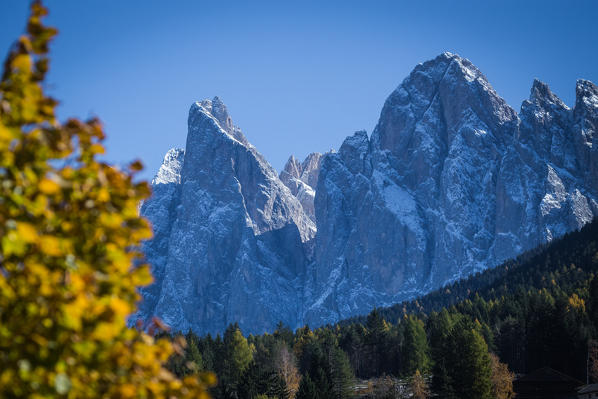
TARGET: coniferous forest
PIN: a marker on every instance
(466, 340)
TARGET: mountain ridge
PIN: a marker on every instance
(451, 181)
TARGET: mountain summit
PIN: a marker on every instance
(452, 181)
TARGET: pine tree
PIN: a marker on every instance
(593, 303)
(341, 374)
(237, 357)
(472, 375)
(376, 339)
(440, 327)
(307, 389)
(415, 346)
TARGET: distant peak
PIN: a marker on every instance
(586, 95)
(540, 93)
(448, 55)
(292, 167)
(586, 84)
(174, 153)
(585, 88)
(312, 157)
(217, 110)
(540, 86)
(170, 170)
(448, 61)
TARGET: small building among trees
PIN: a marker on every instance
(588, 391)
(546, 383)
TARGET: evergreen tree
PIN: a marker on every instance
(283, 333)
(256, 381)
(237, 357)
(323, 384)
(593, 304)
(193, 352)
(352, 342)
(472, 374)
(440, 327)
(415, 346)
(376, 339)
(341, 374)
(307, 389)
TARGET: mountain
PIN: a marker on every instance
(227, 233)
(451, 181)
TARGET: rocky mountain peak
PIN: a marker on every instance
(216, 109)
(448, 91)
(541, 95)
(170, 170)
(292, 169)
(302, 178)
(586, 94)
(310, 169)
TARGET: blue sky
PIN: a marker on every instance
(297, 77)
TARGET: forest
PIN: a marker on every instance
(466, 340)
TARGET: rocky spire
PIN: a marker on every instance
(302, 179)
(219, 112)
(170, 170)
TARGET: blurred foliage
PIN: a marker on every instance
(69, 260)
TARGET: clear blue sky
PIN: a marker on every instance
(297, 76)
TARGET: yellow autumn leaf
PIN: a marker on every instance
(120, 307)
(5, 133)
(105, 331)
(96, 149)
(48, 186)
(22, 62)
(128, 391)
(50, 245)
(103, 195)
(26, 232)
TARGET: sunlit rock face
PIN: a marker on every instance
(451, 181)
(229, 235)
(302, 178)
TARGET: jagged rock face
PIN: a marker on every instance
(451, 181)
(228, 234)
(160, 211)
(302, 179)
